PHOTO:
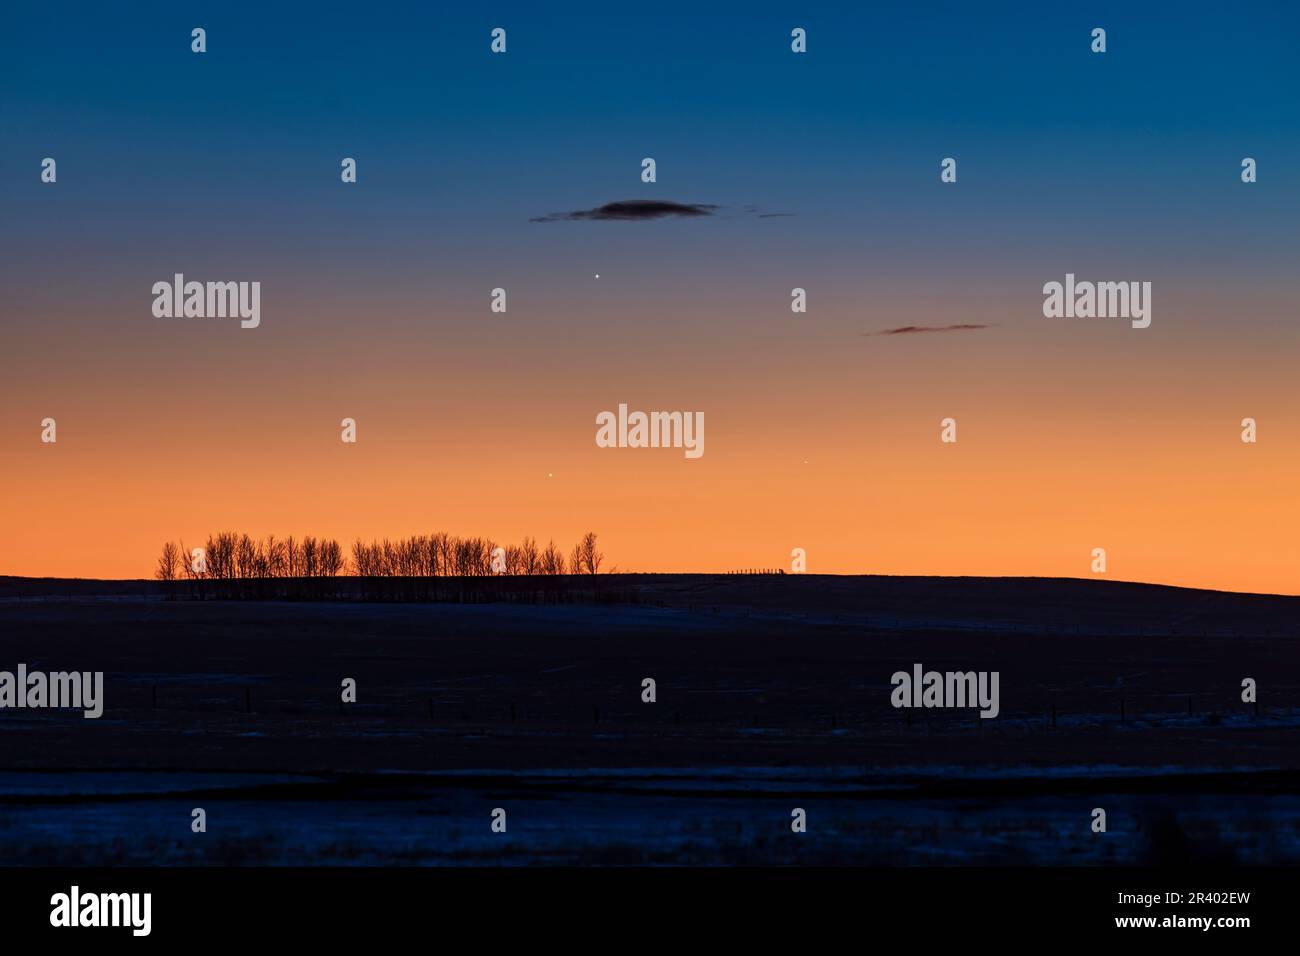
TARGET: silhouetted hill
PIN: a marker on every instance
(879, 602)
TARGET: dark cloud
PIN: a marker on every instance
(633, 210)
(911, 329)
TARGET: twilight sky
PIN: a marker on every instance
(820, 432)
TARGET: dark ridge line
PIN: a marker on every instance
(349, 785)
(661, 577)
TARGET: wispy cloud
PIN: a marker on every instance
(913, 329)
(753, 210)
(633, 210)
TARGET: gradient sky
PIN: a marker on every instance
(820, 432)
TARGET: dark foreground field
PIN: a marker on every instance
(773, 693)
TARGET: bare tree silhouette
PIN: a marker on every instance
(237, 566)
(332, 561)
(530, 561)
(310, 558)
(552, 560)
(275, 557)
(169, 562)
(245, 558)
(590, 559)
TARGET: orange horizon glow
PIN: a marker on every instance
(816, 437)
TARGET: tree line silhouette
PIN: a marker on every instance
(432, 567)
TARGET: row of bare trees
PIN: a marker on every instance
(228, 556)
